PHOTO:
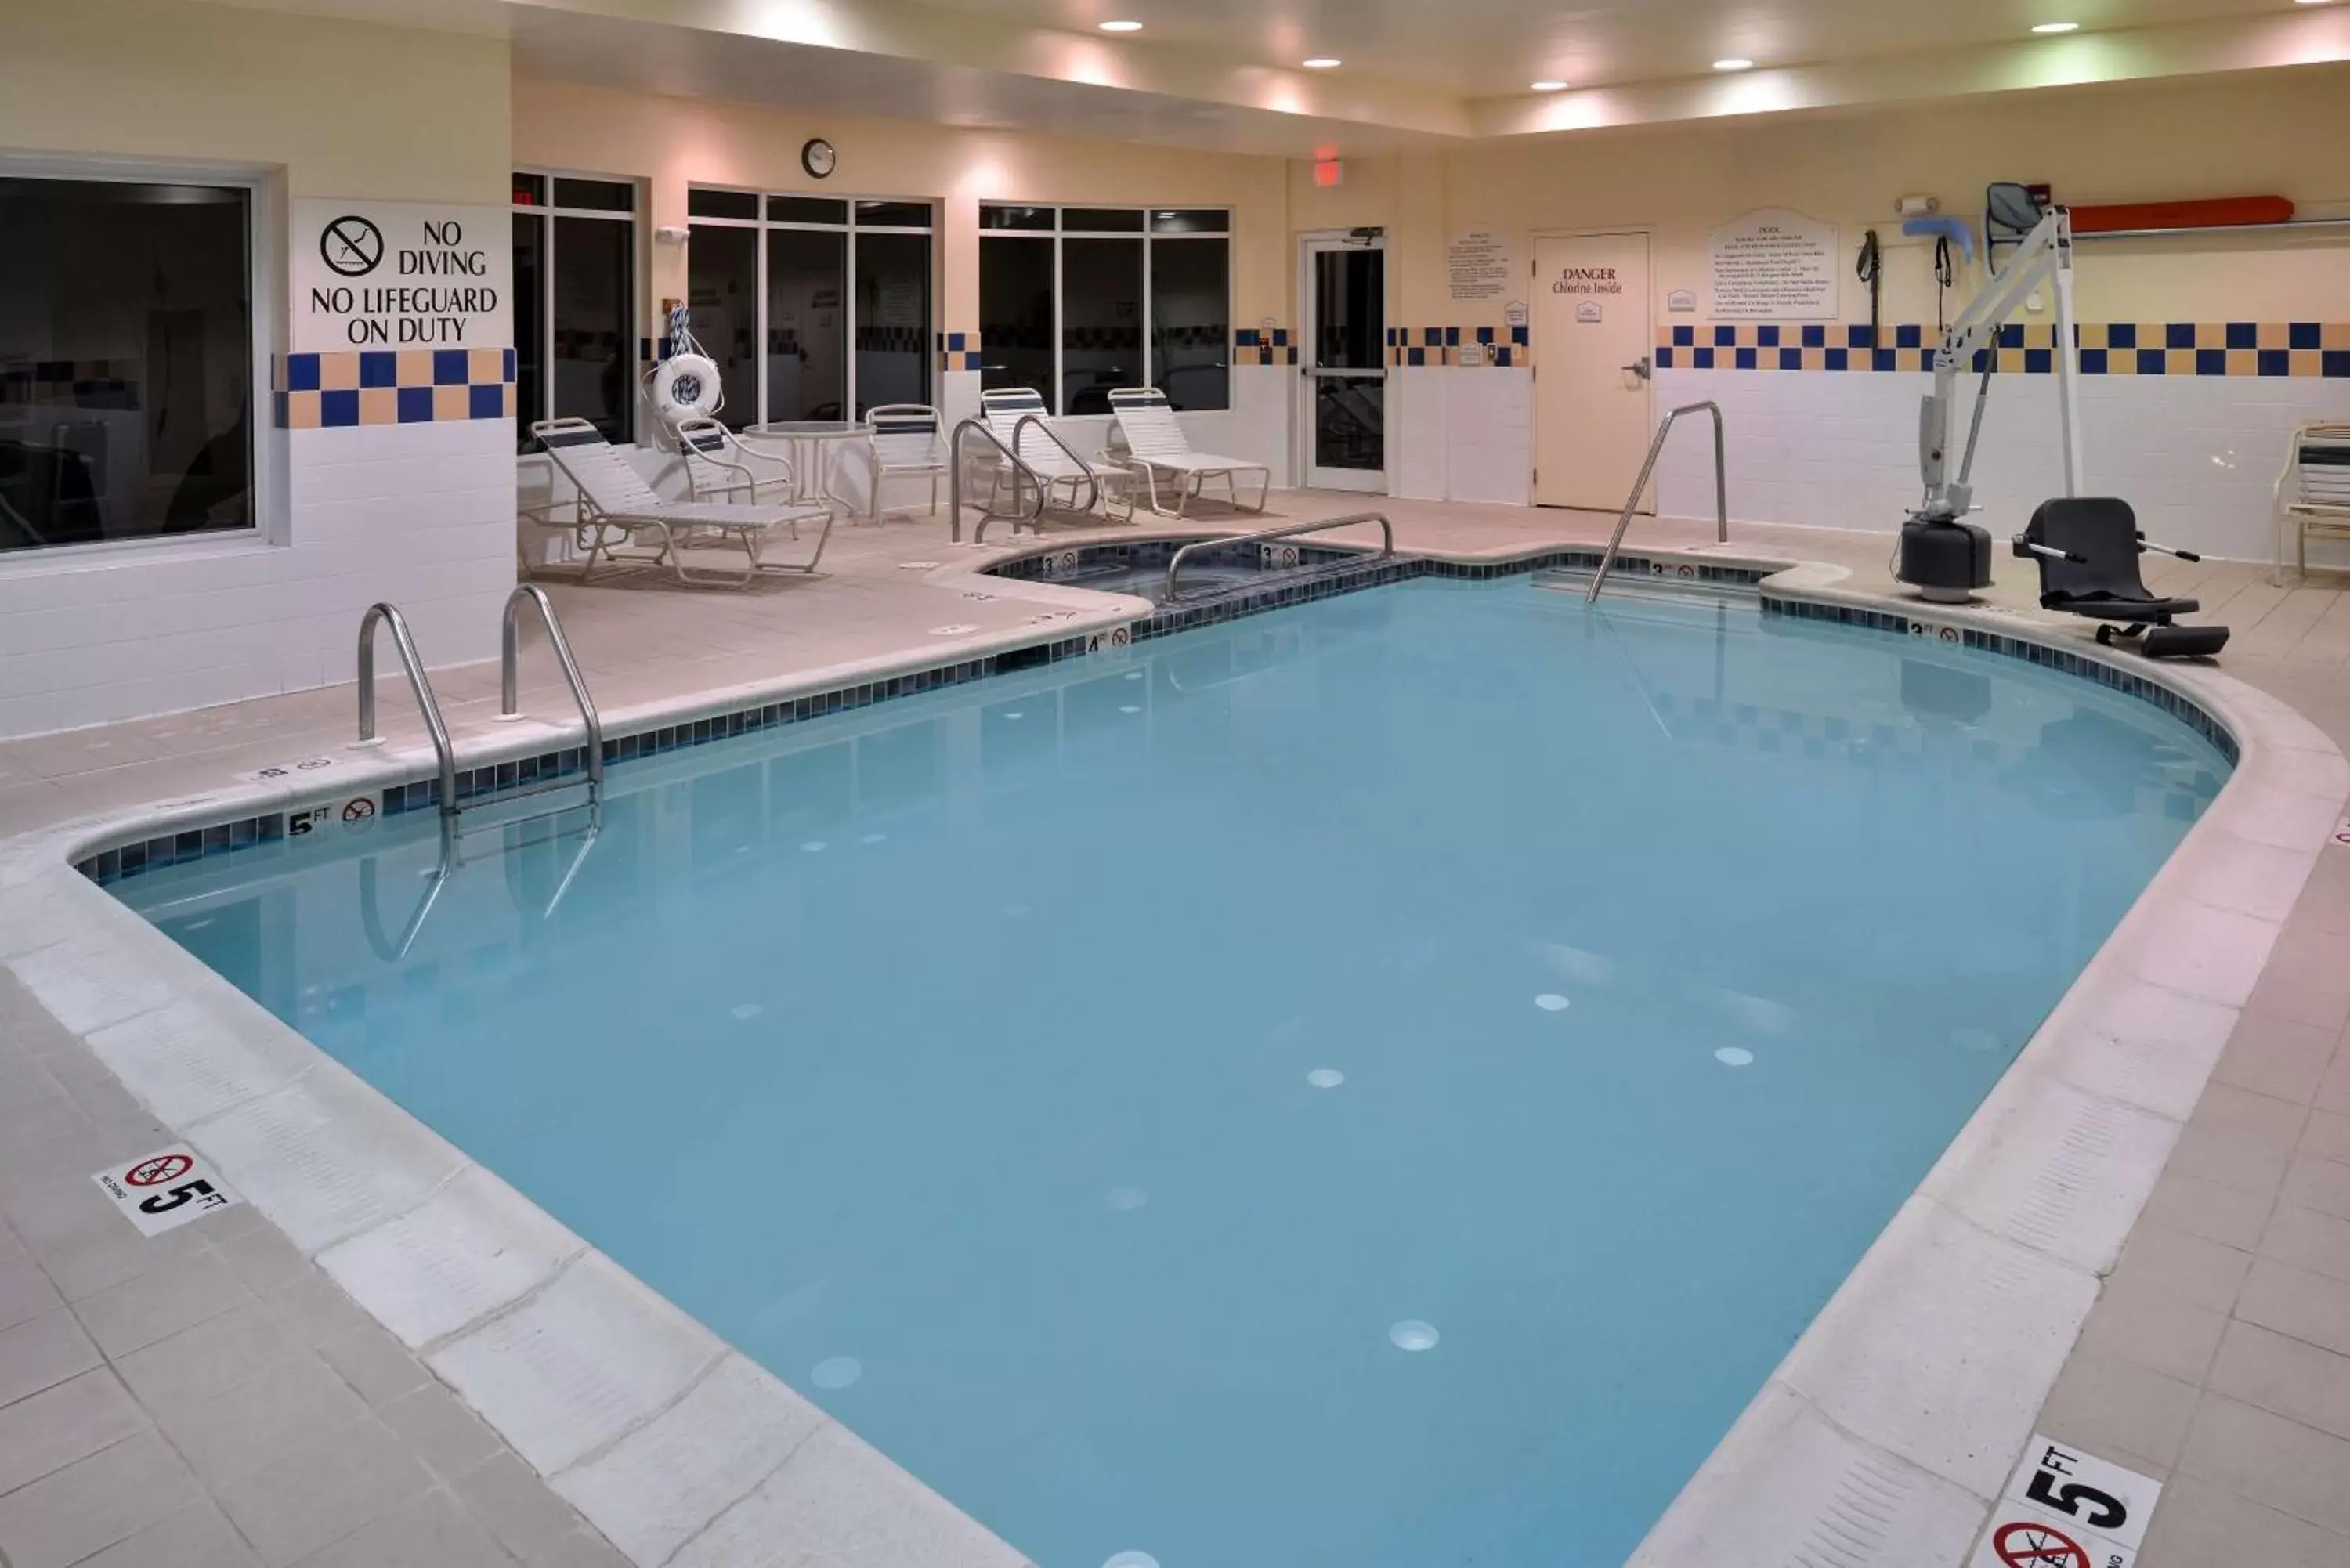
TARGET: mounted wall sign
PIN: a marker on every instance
(1478, 264)
(1682, 299)
(1773, 265)
(400, 275)
(818, 157)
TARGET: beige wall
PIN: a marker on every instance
(672, 142)
(2285, 132)
(345, 110)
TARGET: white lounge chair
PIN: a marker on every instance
(1009, 413)
(908, 440)
(1156, 447)
(616, 507)
(721, 466)
(2312, 493)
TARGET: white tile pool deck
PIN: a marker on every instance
(212, 1396)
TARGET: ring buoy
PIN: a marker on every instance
(686, 386)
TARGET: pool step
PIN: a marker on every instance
(1645, 584)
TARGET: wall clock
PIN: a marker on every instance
(818, 157)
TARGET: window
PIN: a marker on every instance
(815, 308)
(1074, 301)
(576, 301)
(126, 361)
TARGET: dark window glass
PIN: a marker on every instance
(701, 203)
(806, 210)
(595, 351)
(1191, 221)
(530, 189)
(1348, 309)
(893, 214)
(1101, 220)
(893, 320)
(1101, 322)
(722, 293)
(1016, 314)
(807, 360)
(1016, 218)
(1191, 322)
(530, 324)
(126, 361)
(596, 195)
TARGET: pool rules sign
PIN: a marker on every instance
(400, 275)
(2063, 1510)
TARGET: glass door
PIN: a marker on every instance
(1344, 335)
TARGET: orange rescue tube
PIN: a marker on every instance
(2219, 212)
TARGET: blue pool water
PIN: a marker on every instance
(1098, 1086)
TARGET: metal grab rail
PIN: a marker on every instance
(1387, 531)
(443, 753)
(954, 482)
(510, 649)
(1093, 483)
(1656, 449)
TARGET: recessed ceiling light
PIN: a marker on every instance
(1735, 63)
(1322, 63)
(1120, 26)
(1550, 84)
(2058, 27)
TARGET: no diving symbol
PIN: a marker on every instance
(161, 1168)
(358, 810)
(2026, 1544)
(352, 245)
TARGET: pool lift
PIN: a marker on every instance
(1947, 558)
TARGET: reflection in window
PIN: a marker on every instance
(808, 367)
(893, 319)
(126, 361)
(1076, 340)
(575, 303)
(723, 290)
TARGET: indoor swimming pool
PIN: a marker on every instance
(1374, 1085)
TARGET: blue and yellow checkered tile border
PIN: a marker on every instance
(959, 351)
(1263, 346)
(393, 386)
(1504, 346)
(2305, 348)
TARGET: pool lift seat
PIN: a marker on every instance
(2087, 547)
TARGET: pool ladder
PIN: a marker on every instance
(1632, 504)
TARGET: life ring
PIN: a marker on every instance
(686, 386)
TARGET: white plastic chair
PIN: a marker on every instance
(2312, 493)
(721, 466)
(1157, 446)
(908, 440)
(1007, 412)
(616, 505)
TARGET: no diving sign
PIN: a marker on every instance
(164, 1191)
(2063, 1510)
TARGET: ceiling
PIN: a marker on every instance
(1226, 74)
(1476, 48)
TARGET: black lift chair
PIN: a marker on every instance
(2087, 548)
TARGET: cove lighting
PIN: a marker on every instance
(1735, 63)
(1322, 63)
(1550, 84)
(1120, 26)
(2058, 27)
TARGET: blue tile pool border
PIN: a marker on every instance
(1320, 573)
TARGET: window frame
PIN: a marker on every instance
(850, 228)
(272, 524)
(547, 212)
(1147, 237)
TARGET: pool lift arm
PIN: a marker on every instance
(1943, 555)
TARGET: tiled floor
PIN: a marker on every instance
(208, 1398)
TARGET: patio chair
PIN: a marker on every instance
(617, 507)
(908, 440)
(1156, 447)
(720, 465)
(2312, 493)
(1009, 412)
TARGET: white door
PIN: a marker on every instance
(1345, 364)
(1593, 348)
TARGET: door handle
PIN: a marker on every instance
(1641, 368)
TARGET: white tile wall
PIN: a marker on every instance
(1418, 431)
(419, 515)
(2195, 455)
(1461, 434)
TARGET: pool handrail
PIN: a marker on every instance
(511, 655)
(444, 756)
(1093, 480)
(1286, 530)
(1656, 449)
(955, 482)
